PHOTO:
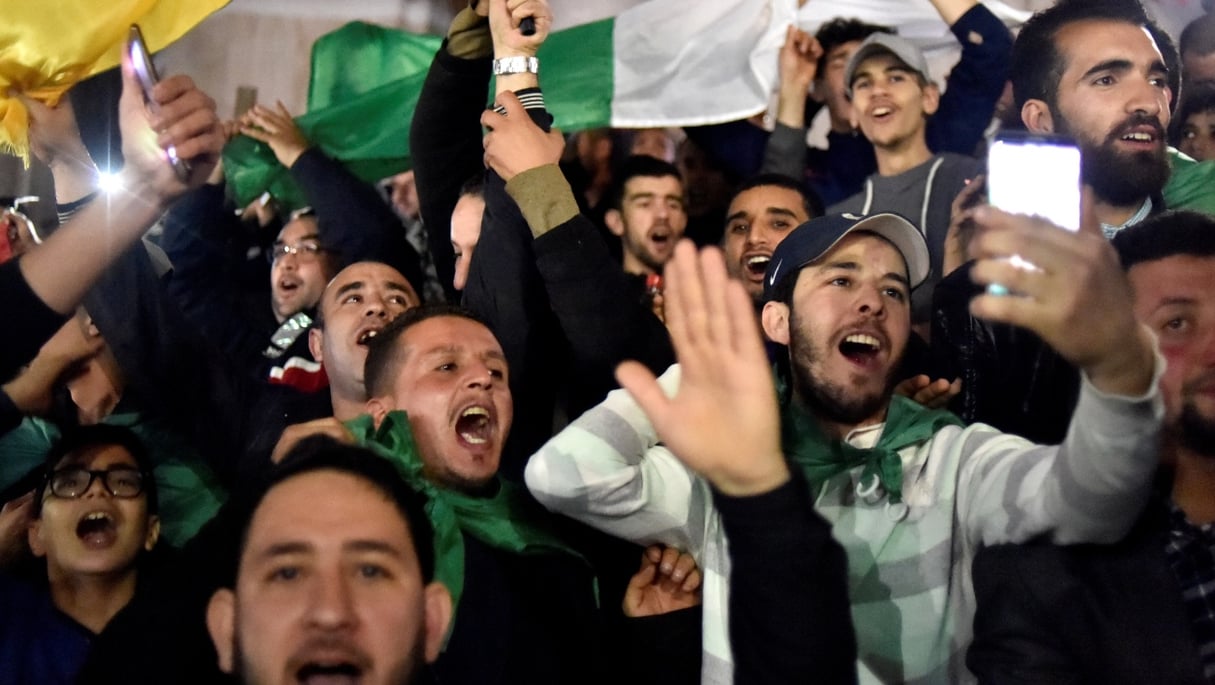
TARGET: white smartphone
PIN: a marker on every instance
(1037, 175)
(145, 72)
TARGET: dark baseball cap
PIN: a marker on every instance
(810, 241)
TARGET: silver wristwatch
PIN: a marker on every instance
(516, 65)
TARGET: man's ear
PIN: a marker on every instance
(314, 344)
(438, 618)
(930, 98)
(153, 533)
(775, 320)
(614, 221)
(34, 537)
(377, 407)
(1037, 117)
(221, 618)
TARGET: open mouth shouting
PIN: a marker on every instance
(364, 334)
(336, 673)
(755, 264)
(861, 349)
(335, 665)
(1141, 133)
(97, 529)
(881, 113)
(476, 425)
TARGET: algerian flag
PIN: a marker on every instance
(652, 63)
(50, 46)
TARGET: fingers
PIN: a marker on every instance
(293, 434)
(19, 505)
(645, 575)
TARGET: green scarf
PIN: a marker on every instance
(907, 423)
(507, 519)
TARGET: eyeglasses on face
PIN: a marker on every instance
(72, 482)
(305, 250)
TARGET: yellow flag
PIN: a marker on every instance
(47, 46)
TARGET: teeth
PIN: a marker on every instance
(881, 111)
(758, 259)
(472, 439)
(475, 411)
(97, 516)
(1140, 137)
(367, 336)
(862, 339)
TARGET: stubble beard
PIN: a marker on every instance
(827, 400)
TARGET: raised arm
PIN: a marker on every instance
(60, 271)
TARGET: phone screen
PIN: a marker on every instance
(1036, 175)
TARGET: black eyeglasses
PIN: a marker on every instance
(73, 481)
(303, 250)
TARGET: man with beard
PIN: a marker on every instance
(647, 213)
(339, 593)
(911, 494)
(1106, 75)
(1141, 610)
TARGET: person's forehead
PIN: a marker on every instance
(297, 229)
(1092, 41)
(451, 333)
(843, 51)
(652, 184)
(1175, 277)
(354, 510)
(97, 456)
(757, 200)
(864, 242)
(367, 274)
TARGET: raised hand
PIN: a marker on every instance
(504, 18)
(1077, 297)
(723, 420)
(276, 128)
(515, 143)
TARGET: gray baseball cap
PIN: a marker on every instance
(891, 44)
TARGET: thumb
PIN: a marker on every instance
(510, 102)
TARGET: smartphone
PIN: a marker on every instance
(145, 72)
(1037, 175)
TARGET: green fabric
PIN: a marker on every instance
(187, 489)
(907, 423)
(364, 88)
(1191, 185)
(507, 519)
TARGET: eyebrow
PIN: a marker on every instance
(310, 236)
(453, 349)
(1121, 65)
(1173, 302)
(353, 285)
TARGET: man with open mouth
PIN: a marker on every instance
(342, 593)
(910, 493)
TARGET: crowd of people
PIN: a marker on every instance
(629, 406)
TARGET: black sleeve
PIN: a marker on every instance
(445, 141)
(352, 217)
(661, 650)
(1014, 642)
(30, 322)
(203, 242)
(588, 292)
(790, 618)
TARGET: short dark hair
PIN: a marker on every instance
(1196, 101)
(99, 435)
(639, 165)
(839, 31)
(383, 353)
(1199, 36)
(323, 453)
(1168, 234)
(475, 185)
(1037, 62)
(810, 199)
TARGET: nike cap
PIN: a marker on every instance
(812, 240)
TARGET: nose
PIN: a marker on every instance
(96, 488)
(332, 602)
(376, 307)
(869, 301)
(480, 376)
(1147, 97)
